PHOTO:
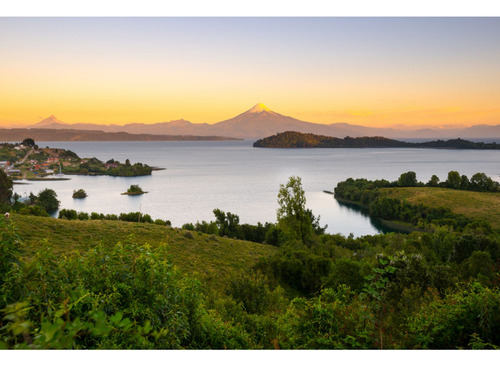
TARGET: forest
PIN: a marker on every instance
(299, 288)
(294, 139)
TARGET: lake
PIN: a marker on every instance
(235, 177)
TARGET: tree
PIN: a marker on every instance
(5, 187)
(29, 142)
(227, 224)
(47, 199)
(454, 180)
(464, 183)
(408, 179)
(293, 217)
(434, 181)
(481, 182)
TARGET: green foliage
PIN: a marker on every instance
(5, 187)
(29, 142)
(72, 214)
(388, 291)
(346, 272)
(460, 319)
(336, 319)
(408, 179)
(33, 210)
(96, 167)
(134, 189)
(379, 204)
(454, 180)
(227, 224)
(481, 182)
(47, 199)
(434, 181)
(293, 139)
(128, 296)
(253, 292)
(292, 216)
(10, 257)
(79, 194)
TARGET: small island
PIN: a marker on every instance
(294, 139)
(79, 194)
(134, 190)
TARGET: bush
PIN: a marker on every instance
(458, 320)
(124, 297)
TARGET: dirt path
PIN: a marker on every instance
(27, 155)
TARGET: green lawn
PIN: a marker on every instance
(209, 258)
(478, 205)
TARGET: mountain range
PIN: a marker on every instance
(260, 121)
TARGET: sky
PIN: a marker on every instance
(366, 71)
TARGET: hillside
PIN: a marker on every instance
(476, 205)
(207, 257)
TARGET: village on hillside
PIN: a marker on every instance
(26, 160)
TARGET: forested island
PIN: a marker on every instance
(26, 160)
(293, 139)
(95, 281)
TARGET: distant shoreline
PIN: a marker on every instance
(18, 134)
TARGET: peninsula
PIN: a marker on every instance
(27, 160)
(293, 139)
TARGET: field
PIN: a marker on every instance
(208, 258)
(477, 205)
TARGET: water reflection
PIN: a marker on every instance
(381, 225)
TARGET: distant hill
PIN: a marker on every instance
(260, 121)
(46, 134)
(293, 139)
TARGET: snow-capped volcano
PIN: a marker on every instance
(257, 121)
(50, 121)
(259, 107)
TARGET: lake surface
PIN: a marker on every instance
(233, 176)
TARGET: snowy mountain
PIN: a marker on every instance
(260, 121)
(51, 122)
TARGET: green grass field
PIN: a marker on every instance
(208, 258)
(477, 205)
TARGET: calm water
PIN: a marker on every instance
(233, 176)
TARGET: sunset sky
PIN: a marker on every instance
(367, 71)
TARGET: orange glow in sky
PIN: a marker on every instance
(366, 71)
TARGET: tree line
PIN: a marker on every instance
(294, 139)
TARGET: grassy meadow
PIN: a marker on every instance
(476, 205)
(207, 257)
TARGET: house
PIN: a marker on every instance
(5, 165)
(110, 165)
(14, 172)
